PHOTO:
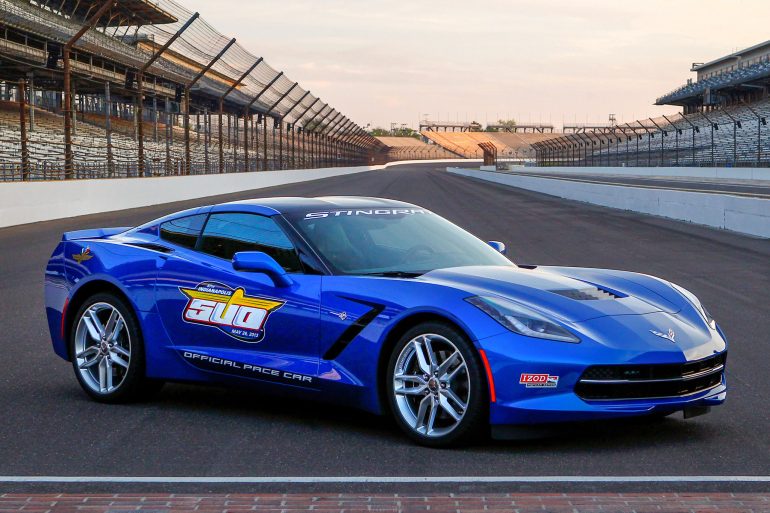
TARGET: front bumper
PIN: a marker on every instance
(535, 383)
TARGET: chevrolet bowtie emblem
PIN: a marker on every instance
(668, 336)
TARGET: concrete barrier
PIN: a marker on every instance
(30, 202)
(741, 214)
(738, 173)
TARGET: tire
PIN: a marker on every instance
(107, 351)
(422, 402)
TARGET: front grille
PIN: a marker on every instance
(602, 382)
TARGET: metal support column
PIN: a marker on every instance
(294, 105)
(23, 130)
(760, 122)
(677, 133)
(325, 140)
(221, 112)
(246, 143)
(663, 135)
(169, 133)
(695, 130)
(714, 126)
(69, 160)
(140, 94)
(108, 129)
(279, 121)
(264, 142)
(736, 125)
(32, 101)
(188, 87)
(206, 140)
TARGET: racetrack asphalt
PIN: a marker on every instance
(49, 427)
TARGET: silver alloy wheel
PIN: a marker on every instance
(431, 385)
(102, 348)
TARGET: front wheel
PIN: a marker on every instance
(108, 351)
(436, 387)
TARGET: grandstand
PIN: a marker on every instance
(723, 123)
(739, 77)
(115, 88)
(410, 148)
(509, 145)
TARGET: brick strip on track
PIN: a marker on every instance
(395, 503)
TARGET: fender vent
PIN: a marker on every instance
(586, 294)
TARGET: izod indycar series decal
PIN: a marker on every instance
(230, 310)
(538, 380)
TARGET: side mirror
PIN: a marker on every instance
(259, 262)
(497, 246)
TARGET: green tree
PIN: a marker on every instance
(379, 131)
(507, 124)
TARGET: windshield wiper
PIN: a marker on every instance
(396, 274)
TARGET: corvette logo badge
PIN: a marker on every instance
(85, 254)
(230, 310)
(668, 336)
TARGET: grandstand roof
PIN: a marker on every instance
(735, 55)
(736, 73)
(694, 91)
(123, 13)
(109, 56)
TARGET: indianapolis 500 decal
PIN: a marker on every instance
(230, 310)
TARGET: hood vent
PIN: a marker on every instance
(586, 294)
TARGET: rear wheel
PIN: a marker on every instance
(108, 351)
(436, 389)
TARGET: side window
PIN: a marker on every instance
(226, 234)
(183, 231)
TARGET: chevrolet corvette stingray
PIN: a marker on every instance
(380, 305)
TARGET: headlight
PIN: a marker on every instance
(522, 320)
(694, 301)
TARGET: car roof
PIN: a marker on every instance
(288, 205)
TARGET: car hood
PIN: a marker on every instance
(570, 294)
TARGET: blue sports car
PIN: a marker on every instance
(377, 304)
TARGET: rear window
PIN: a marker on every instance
(183, 231)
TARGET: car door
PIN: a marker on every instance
(240, 323)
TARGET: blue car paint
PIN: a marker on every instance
(319, 309)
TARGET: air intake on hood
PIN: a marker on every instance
(586, 294)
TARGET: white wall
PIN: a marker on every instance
(30, 202)
(738, 173)
(746, 215)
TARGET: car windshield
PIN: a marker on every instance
(392, 242)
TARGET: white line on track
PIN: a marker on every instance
(383, 479)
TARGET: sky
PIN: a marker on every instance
(551, 61)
